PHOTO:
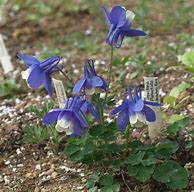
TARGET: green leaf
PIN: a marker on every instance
(166, 148)
(115, 187)
(88, 148)
(180, 88)
(188, 145)
(140, 172)
(172, 174)
(106, 189)
(111, 148)
(149, 159)
(71, 149)
(113, 164)
(188, 59)
(170, 100)
(191, 132)
(174, 118)
(144, 172)
(93, 189)
(76, 157)
(106, 180)
(174, 128)
(136, 158)
(138, 145)
(96, 131)
(132, 170)
(90, 183)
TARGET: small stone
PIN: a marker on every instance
(20, 165)
(31, 175)
(7, 162)
(6, 180)
(82, 174)
(54, 174)
(1, 179)
(18, 151)
(38, 167)
(81, 187)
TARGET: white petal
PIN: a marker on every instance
(141, 117)
(69, 130)
(90, 91)
(133, 119)
(130, 15)
(25, 74)
(62, 125)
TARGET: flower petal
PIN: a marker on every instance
(77, 129)
(119, 108)
(80, 119)
(150, 114)
(152, 103)
(133, 33)
(138, 105)
(95, 81)
(106, 14)
(36, 77)
(51, 116)
(93, 111)
(133, 118)
(48, 84)
(123, 120)
(78, 86)
(141, 117)
(117, 39)
(28, 59)
(118, 16)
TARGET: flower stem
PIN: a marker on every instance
(109, 72)
(67, 78)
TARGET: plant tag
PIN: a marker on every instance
(4, 57)
(60, 91)
(152, 94)
(152, 89)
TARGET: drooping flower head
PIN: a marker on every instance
(38, 73)
(71, 119)
(134, 109)
(90, 80)
(119, 21)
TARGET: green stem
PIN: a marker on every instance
(84, 116)
(109, 72)
(67, 78)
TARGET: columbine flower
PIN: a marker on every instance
(90, 80)
(70, 119)
(39, 72)
(134, 109)
(119, 21)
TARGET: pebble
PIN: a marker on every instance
(54, 174)
(20, 165)
(1, 179)
(18, 151)
(6, 180)
(82, 174)
(38, 167)
(7, 162)
(81, 187)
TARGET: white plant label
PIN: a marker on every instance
(152, 94)
(152, 89)
(60, 91)
(5, 59)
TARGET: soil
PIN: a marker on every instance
(37, 167)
